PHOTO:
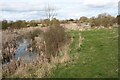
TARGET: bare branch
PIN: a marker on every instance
(50, 12)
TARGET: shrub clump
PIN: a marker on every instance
(55, 38)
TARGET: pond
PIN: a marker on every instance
(23, 53)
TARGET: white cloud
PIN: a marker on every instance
(32, 9)
(20, 6)
(22, 15)
(101, 3)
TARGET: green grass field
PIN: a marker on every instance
(97, 56)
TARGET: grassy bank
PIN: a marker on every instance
(97, 56)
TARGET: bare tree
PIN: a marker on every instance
(50, 12)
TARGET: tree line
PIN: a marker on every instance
(103, 19)
(17, 24)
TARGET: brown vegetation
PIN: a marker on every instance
(47, 43)
(55, 38)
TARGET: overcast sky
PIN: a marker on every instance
(66, 9)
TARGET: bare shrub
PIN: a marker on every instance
(55, 22)
(33, 34)
(55, 38)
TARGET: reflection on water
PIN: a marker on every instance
(22, 48)
(22, 52)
